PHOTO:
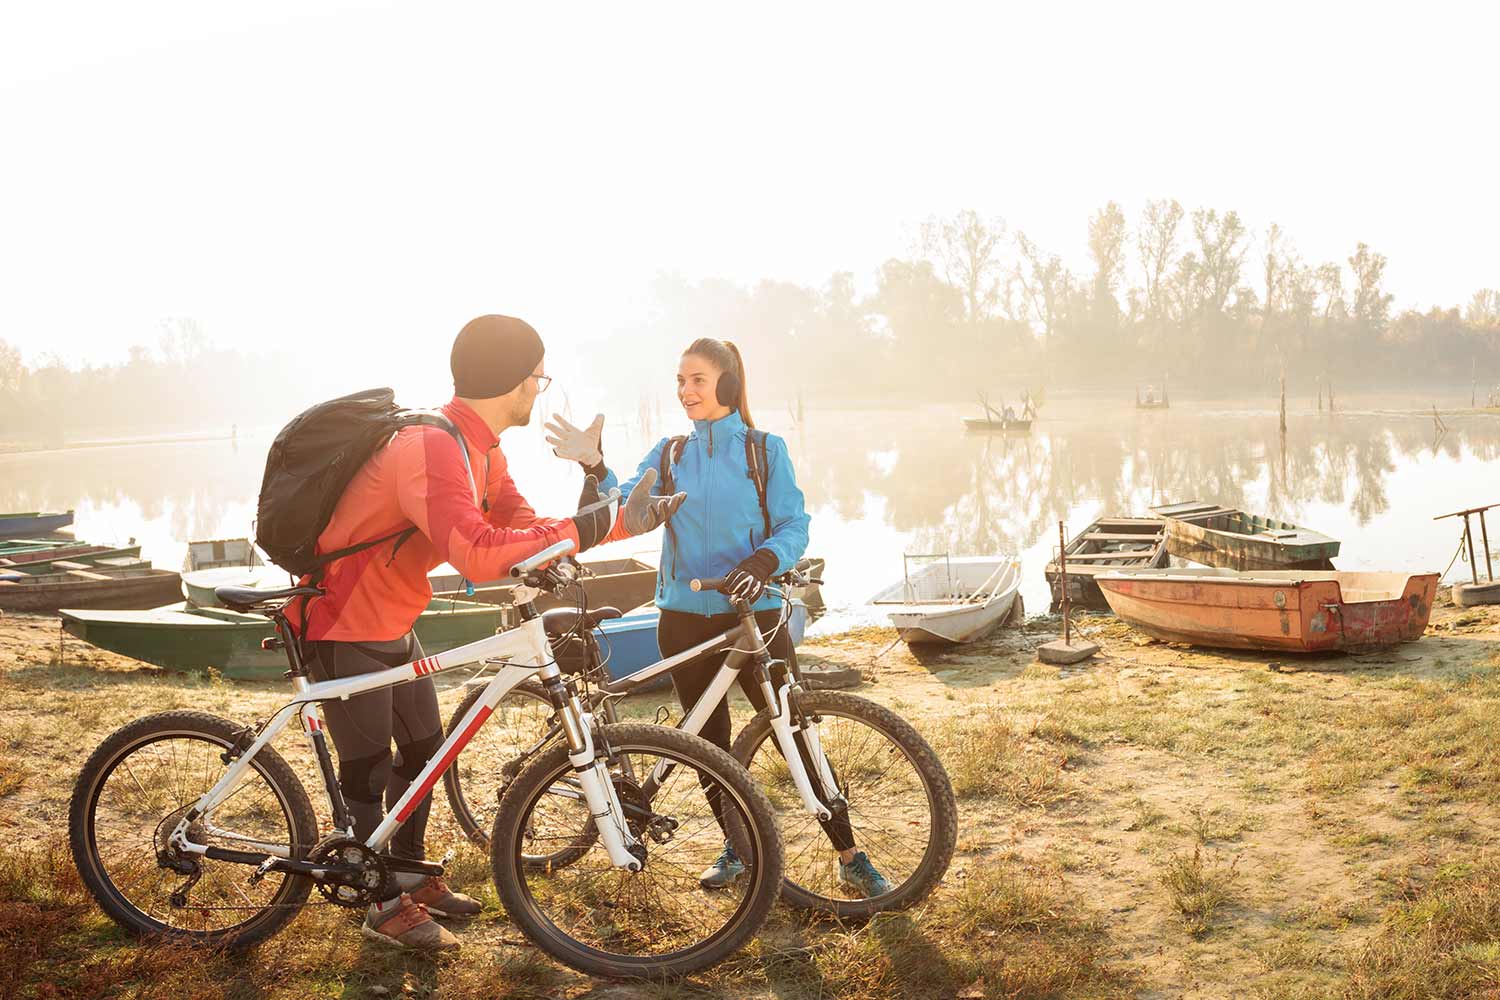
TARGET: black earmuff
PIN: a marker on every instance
(728, 389)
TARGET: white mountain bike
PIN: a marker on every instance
(192, 827)
(841, 771)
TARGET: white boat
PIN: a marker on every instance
(951, 599)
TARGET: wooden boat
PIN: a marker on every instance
(1232, 539)
(1109, 544)
(986, 424)
(182, 637)
(33, 523)
(45, 560)
(11, 546)
(1151, 401)
(951, 600)
(111, 583)
(212, 553)
(1298, 610)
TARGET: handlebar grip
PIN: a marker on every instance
(708, 583)
(803, 565)
(543, 557)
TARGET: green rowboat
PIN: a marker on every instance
(183, 637)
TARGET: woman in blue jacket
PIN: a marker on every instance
(723, 530)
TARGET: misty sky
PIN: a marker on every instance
(365, 177)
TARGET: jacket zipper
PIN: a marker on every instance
(708, 494)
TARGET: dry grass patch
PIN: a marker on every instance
(988, 755)
(1198, 888)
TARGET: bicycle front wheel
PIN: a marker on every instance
(660, 921)
(901, 809)
(132, 793)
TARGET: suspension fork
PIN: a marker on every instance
(592, 774)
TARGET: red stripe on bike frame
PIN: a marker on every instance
(442, 765)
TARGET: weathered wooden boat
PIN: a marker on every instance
(10, 546)
(951, 600)
(183, 637)
(33, 523)
(1232, 539)
(1109, 544)
(45, 560)
(211, 553)
(111, 583)
(985, 424)
(1297, 610)
(1151, 401)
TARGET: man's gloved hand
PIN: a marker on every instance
(747, 581)
(596, 514)
(643, 512)
(581, 445)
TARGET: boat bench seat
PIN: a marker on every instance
(83, 574)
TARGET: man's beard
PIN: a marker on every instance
(522, 416)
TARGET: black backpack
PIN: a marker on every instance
(311, 463)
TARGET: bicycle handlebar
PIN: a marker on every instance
(707, 583)
(541, 558)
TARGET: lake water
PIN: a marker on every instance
(880, 482)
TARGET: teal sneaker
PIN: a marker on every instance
(862, 877)
(723, 872)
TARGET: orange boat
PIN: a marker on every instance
(1300, 610)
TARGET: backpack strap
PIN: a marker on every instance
(671, 454)
(758, 469)
(411, 418)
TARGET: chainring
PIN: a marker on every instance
(359, 877)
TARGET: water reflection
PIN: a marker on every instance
(880, 482)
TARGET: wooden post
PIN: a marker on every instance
(1485, 535)
(1283, 404)
(1330, 395)
(1062, 571)
(1469, 537)
(1320, 394)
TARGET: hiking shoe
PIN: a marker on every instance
(442, 901)
(723, 872)
(408, 926)
(861, 876)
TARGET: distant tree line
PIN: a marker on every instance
(183, 382)
(976, 305)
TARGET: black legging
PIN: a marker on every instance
(679, 630)
(362, 728)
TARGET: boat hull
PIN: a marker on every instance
(27, 525)
(1233, 539)
(1291, 611)
(1106, 546)
(145, 589)
(996, 426)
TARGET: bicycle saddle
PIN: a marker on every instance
(560, 621)
(245, 598)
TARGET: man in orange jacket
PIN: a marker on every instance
(468, 512)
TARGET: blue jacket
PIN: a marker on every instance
(720, 523)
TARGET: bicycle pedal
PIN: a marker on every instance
(447, 858)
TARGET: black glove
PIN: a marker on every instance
(747, 581)
(595, 515)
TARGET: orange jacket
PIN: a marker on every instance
(419, 479)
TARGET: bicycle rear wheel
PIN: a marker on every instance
(130, 796)
(659, 921)
(901, 810)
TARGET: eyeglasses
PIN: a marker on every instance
(542, 381)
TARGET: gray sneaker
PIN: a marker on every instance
(723, 872)
(862, 877)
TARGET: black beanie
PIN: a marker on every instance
(492, 355)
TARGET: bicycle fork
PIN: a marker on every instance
(624, 850)
(787, 736)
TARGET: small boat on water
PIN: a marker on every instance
(34, 522)
(1232, 539)
(1297, 610)
(183, 637)
(951, 600)
(212, 553)
(1107, 545)
(1152, 400)
(985, 424)
(109, 583)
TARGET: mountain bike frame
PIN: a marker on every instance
(746, 648)
(524, 651)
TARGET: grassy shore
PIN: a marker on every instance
(1158, 822)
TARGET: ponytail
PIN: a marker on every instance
(723, 355)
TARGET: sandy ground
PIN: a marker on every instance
(1312, 793)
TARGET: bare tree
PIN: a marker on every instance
(1484, 308)
(1331, 286)
(1107, 248)
(1046, 284)
(1372, 307)
(1156, 240)
(967, 250)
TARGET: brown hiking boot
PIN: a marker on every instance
(408, 926)
(442, 901)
